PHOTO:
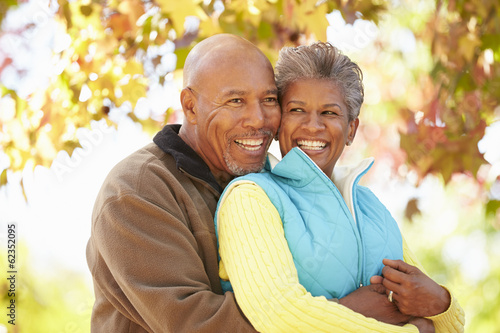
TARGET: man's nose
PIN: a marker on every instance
(254, 116)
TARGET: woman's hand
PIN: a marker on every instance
(414, 293)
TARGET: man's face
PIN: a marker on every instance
(238, 115)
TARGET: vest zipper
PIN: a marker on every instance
(359, 239)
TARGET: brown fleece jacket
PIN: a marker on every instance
(153, 252)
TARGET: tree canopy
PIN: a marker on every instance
(441, 100)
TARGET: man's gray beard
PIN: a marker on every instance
(238, 170)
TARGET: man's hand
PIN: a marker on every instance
(423, 325)
(414, 293)
(371, 301)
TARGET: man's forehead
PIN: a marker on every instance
(228, 91)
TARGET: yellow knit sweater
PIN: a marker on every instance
(256, 259)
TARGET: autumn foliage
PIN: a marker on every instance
(110, 61)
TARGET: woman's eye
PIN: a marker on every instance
(296, 110)
(333, 113)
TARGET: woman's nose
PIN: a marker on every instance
(314, 122)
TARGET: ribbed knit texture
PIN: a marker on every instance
(255, 256)
(453, 319)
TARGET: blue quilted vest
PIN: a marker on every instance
(334, 253)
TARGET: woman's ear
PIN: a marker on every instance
(353, 127)
(188, 102)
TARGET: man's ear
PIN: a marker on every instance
(353, 127)
(188, 102)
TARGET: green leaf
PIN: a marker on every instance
(181, 53)
(5, 6)
(265, 30)
(86, 10)
(492, 207)
(491, 41)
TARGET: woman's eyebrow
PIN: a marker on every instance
(328, 105)
(331, 105)
(296, 102)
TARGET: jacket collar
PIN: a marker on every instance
(186, 159)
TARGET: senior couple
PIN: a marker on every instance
(181, 243)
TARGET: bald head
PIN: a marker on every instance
(230, 103)
(216, 51)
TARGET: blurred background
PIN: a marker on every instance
(85, 83)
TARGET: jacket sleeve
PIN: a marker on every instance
(257, 259)
(453, 319)
(148, 265)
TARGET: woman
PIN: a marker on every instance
(302, 236)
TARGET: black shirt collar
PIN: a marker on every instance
(187, 160)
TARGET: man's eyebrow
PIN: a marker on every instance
(232, 92)
(236, 92)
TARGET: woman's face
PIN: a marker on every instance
(314, 118)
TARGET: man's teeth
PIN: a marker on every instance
(311, 145)
(250, 144)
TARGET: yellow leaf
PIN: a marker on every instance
(467, 45)
(18, 134)
(179, 10)
(247, 11)
(44, 147)
(133, 67)
(312, 18)
(3, 178)
(210, 27)
(23, 189)
(132, 91)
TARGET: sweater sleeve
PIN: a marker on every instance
(453, 319)
(257, 260)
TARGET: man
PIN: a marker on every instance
(152, 250)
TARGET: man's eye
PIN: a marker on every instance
(270, 100)
(296, 110)
(236, 100)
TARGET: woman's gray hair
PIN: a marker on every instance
(321, 61)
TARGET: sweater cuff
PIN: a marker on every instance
(448, 316)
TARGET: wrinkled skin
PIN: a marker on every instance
(414, 293)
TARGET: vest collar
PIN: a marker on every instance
(347, 176)
(344, 177)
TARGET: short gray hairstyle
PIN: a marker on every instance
(321, 61)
